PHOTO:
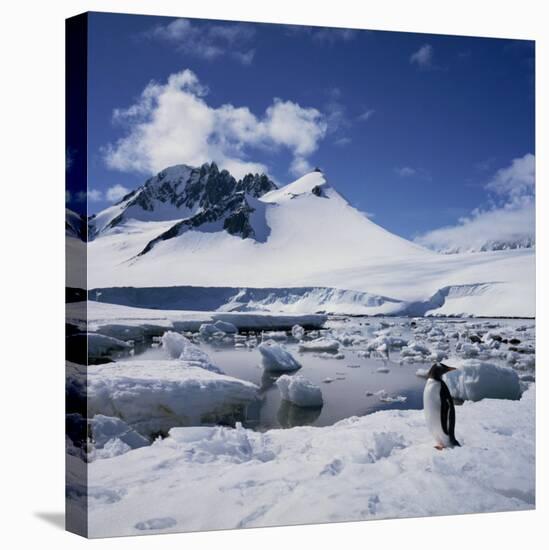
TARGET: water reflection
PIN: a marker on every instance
(290, 415)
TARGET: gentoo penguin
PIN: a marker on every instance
(438, 406)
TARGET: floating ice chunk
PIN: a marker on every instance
(320, 344)
(298, 390)
(467, 350)
(384, 343)
(276, 358)
(383, 370)
(415, 351)
(528, 362)
(437, 355)
(100, 345)
(422, 373)
(274, 335)
(155, 395)
(328, 380)
(298, 332)
(476, 380)
(173, 343)
(386, 398)
(226, 327)
(179, 347)
(209, 330)
(415, 348)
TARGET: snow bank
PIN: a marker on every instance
(475, 380)
(379, 466)
(153, 396)
(298, 390)
(276, 358)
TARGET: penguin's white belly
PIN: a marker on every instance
(431, 408)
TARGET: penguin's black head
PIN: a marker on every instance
(438, 370)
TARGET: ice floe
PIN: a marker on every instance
(298, 390)
(153, 396)
(276, 358)
(475, 380)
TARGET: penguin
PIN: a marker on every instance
(438, 407)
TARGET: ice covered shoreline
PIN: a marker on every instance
(379, 466)
(115, 320)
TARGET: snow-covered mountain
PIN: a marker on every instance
(201, 227)
(203, 198)
(510, 243)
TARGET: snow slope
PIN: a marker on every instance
(308, 235)
(378, 466)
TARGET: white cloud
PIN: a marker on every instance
(405, 171)
(116, 192)
(366, 115)
(208, 40)
(510, 219)
(517, 180)
(171, 123)
(93, 195)
(300, 166)
(423, 57)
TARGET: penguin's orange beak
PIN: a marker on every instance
(448, 369)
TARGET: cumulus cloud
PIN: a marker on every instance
(116, 192)
(405, 171)
(517, 180)
(423, 57)
(508, 223)
(208, 40)
(172, 123)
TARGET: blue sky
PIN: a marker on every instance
(414, 129)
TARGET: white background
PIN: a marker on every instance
(32, 274)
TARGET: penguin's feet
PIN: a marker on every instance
(439, 447)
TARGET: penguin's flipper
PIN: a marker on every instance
(444, 407)
(448, 414)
